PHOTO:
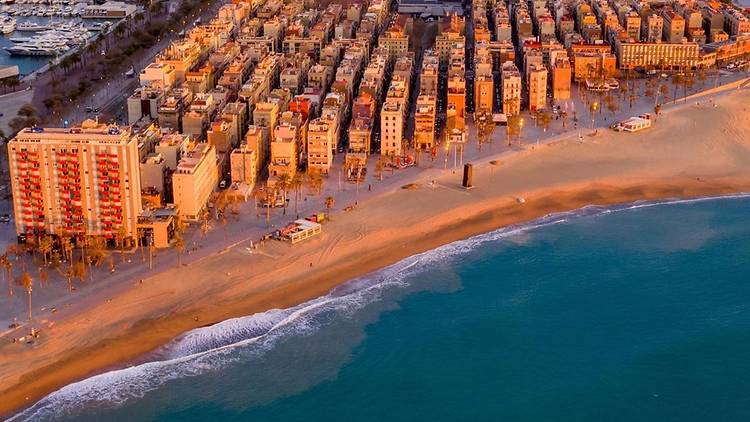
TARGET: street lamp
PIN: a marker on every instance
(593, 109)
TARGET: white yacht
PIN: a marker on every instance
(31, 27)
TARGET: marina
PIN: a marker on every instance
(36, 32)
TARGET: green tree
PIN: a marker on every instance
(27, 110)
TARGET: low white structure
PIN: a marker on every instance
(301, 230)
(634, 124)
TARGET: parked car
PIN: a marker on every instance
(5, 218)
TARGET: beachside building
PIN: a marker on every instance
(424, 122)
(258, 140)
(244, 165)
(592, 61)
(392, 128)
(484, 87)
(75, 181)
(457, 98)
(511, 89)
(657, 55)
(321, 143)
(536, 80)
(196, 176)
(361, 127)
(285, 151)
(561, 79)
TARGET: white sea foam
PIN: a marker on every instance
(214, 347)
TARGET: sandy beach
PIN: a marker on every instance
(695, 150)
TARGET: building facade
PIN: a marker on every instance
(82, 181)
(194, 179)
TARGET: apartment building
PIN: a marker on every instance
(244, 165)
(266, 115)
(653, 28)
(258, 140)
(424, 122)
(511, 89)
(457, 98)
(321, 143)
(391, 128)
(361, 127)
(196, 176)
(161, 75)
(657, 55)
(561, 79)
(536, 80)
(284, 152)
(80, 181)
(674, 27)
(395, 39)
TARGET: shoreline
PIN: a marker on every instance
(696, 152)
(150, 334)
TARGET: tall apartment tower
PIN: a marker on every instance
(81, 181)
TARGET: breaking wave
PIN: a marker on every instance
(214, 347)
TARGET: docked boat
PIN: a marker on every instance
(30, 50)
(31, 27)
(7, 25)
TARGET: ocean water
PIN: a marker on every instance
(632, 313)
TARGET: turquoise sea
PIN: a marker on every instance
(632, 313)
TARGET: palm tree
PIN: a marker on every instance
(9, 270)
(6, 263)
(543, 120)
(120, 240)
(45, 247)
(330, 202)
(43, 276)
(296, 183)
(676, 82)
(258, 196)
(282, 183)
(79, 270)
(69, 274)
(179, 245)
(611, 104)
(514, 128)
(316, 181)
(379, 168)
(67, 247)
(27, 282)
